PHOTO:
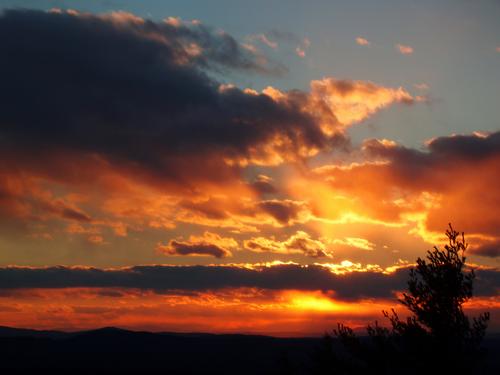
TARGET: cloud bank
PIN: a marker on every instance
(354, 284)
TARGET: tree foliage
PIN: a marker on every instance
(435, 336)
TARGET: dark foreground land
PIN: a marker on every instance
(116, 351)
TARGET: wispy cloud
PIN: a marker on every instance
(300, 52)
(362, 41)
(404, 49)
(302, 47)
(264, 39)
(421, 86)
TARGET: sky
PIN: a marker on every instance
(267, 167)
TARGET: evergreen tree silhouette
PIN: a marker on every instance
(437, 336)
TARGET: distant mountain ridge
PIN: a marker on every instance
(111, 350)
(27, 332)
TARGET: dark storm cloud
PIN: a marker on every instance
(133, 92)
(198, 278)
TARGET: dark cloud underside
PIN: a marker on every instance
(161, 278)
(129, 92)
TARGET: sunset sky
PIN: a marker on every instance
(267, 167)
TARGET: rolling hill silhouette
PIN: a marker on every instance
(112, 350)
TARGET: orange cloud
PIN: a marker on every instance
(419, 189)
(359, 243)
(23, 196)
(217, 156)
(337, 104)
(353, 101)
(242, 213)
(362, 41)
(96, 240)
(118, 18)
(404, 49)
(299, 243)
(173, 21)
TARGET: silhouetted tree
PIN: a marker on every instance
(437, 290)
(436, 336)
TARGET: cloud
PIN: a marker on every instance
(96, 240)
(251, 310)
(173, 21)
(233, 310)
(189, 42)
(21, 196)
(126, 113)
(299, 243)
(243, 214)
(284, 36)
(421, 86)
(285, 211)
(263, 38)
(362, 41)
(210, 244)
(135, 93)
(353, 285)
(404, 49)
(186, 248)
(348, 102)
(487, 248)
(264, 185)
(301, 49)
(300, 52)
(77, 228)
(359, 243)
(128, 106)
(451, 179)
(476, 147)
(270, 38)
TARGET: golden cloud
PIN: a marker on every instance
(299, 243)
